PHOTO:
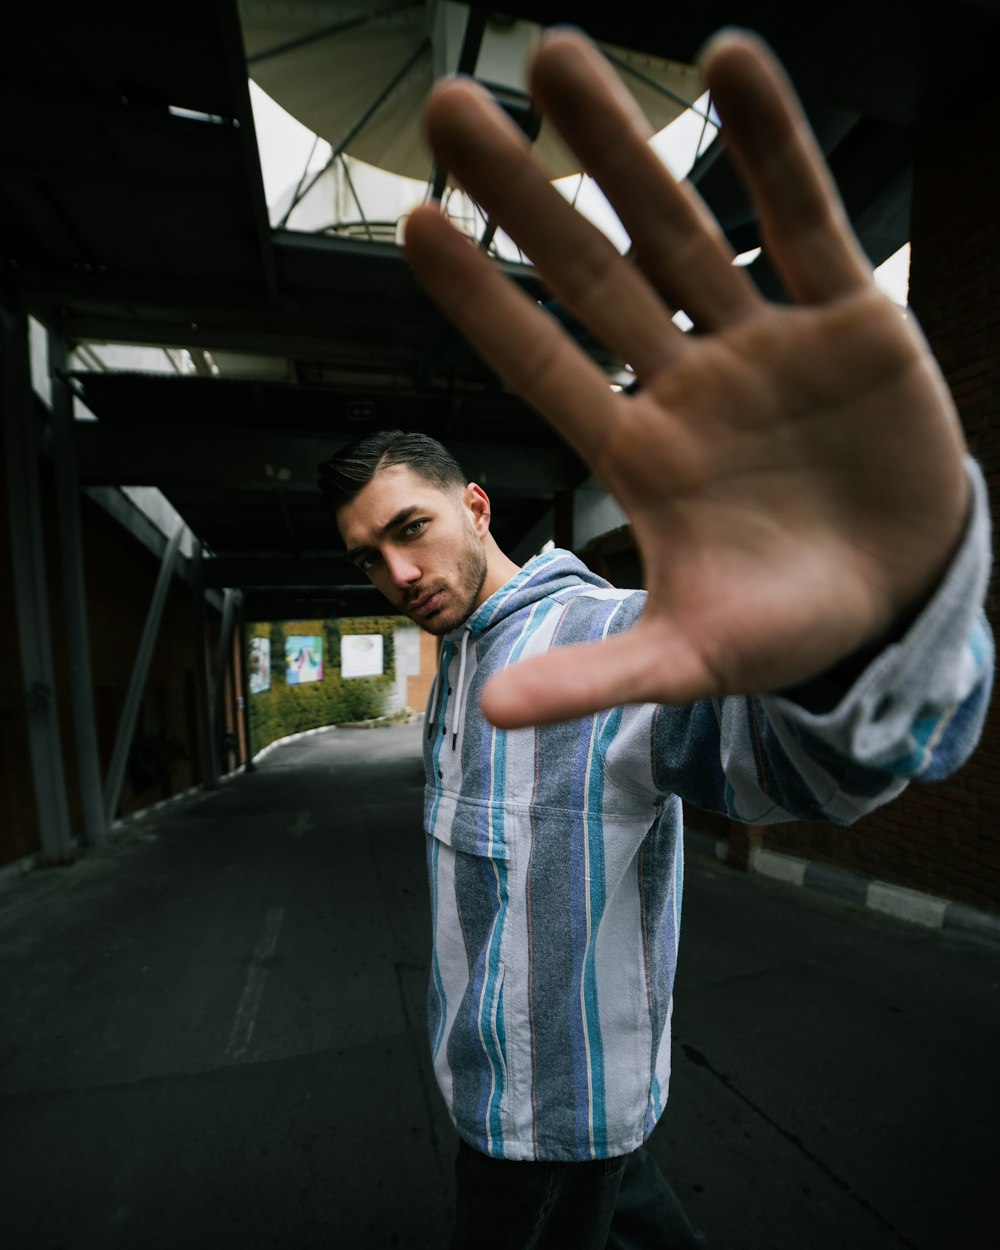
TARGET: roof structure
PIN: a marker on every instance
(132, 210)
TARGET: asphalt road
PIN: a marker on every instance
(213, 1036)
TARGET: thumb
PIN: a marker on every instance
(577, 681)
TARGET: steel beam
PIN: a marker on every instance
(29, 590)
(208, 752)
(229, 605)
(95, 825)
(234, 68)
(289, 606)
(330, 575)
(244, 699)
(237, 456)
(137, 684)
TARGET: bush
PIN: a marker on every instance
(363, 700)
(283, 710)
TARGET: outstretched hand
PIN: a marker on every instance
(793, 474)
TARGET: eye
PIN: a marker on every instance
(368, 562)
(412, 528)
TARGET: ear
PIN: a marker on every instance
(478, 503)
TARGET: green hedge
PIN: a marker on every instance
(282, 709)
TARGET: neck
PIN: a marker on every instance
(499, 569)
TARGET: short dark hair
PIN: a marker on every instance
(349, 470)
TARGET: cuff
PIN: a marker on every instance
(906, 692)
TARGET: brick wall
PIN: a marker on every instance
(944, 839)
(119, 581)
(418, 688)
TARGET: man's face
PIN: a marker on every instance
(419, 545)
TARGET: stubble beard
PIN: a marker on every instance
(466, 585)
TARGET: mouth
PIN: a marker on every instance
(427, 604)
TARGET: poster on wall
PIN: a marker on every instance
(361, 655)
(303, 659)
(259, 665)
(407, 652)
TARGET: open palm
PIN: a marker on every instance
(793, 474)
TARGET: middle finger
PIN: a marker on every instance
(478, 143)
(677, 242)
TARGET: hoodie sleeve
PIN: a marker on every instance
(916, 711)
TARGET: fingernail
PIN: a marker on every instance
(564, 28)
(723, 35)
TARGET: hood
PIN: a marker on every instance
(545, 575)
(541, 577)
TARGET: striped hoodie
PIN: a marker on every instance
(555, 857)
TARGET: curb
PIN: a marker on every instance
(271, 746)
(198, 791)
(20, 867)
(853, 887)
(224, 778)
(143, 812)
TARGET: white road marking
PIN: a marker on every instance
(253, 989)
(301, 825)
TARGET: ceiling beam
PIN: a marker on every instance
(234, 71)
(221, 459)
(881, 59)
(286, 606)
(327, 576)
(349, 289)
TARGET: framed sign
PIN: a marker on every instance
(361, 655)
(259, 665)
(303, 659)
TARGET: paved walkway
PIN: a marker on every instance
(213, 1036)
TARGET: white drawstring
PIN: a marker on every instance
(438, 687)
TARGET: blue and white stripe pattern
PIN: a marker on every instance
(555, 853)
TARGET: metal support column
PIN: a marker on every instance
(222, 664)
(207, 750)
(563, 505)
(245, 686)
(137, 684)
(29, 592)
(74, 591)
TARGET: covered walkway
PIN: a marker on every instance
(214, 1037)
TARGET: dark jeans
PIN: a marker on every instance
(608, 1204)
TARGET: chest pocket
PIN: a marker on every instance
(475, 829)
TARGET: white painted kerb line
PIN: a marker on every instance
(249, 1005)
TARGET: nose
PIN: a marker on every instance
(402, 572)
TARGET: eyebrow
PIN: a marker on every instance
(400, 518)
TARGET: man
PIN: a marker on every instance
(816, 550)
